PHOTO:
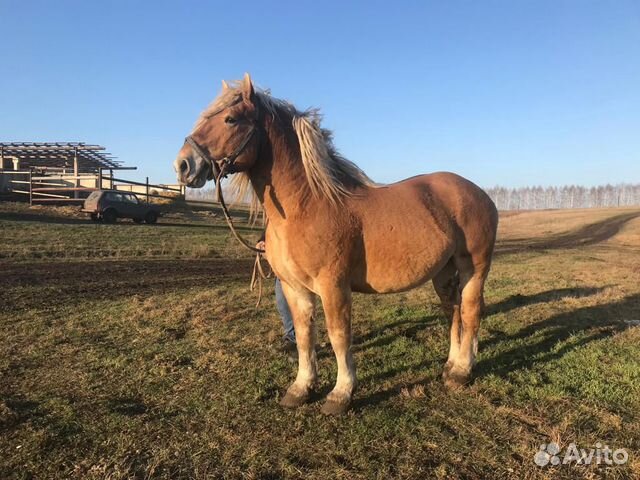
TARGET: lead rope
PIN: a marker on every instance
(258, 274)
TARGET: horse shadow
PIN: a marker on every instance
(400, 328)
(516, 301)
(595, 322)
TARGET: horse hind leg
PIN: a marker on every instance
(446, 285)
(472, 277)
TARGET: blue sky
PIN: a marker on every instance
(503, 92)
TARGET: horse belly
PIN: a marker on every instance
(401, 259)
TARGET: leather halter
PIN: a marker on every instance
(226, 164)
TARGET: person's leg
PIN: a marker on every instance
(285, 313)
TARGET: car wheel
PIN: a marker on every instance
(151, 217)
(110, 216)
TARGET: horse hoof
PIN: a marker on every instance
(455, 379)
(293, 401)
(446, 370)
(333, 408)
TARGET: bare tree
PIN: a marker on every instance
(567, 196)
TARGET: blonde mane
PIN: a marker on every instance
(328, 173)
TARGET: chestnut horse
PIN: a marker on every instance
(331, 231)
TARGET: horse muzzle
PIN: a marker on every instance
(192, 172)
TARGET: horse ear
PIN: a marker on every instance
(248, 93)
(225, 86)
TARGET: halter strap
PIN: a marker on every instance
(226, 164)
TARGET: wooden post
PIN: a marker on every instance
(99, 179)
(76, 194)
(147, 189)
(111, 179)
(30, 186)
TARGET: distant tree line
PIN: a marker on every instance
(568, 196)
(529, 198)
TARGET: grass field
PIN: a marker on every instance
(134, 351)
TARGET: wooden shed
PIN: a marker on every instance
(61, 172)
(66, 172)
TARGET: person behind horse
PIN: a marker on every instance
(288, 342)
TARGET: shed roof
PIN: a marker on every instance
(60, 154)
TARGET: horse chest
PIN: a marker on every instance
(288, 260)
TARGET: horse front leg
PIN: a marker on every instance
(337, 308)
(302, 305)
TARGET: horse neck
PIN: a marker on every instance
(278, 177)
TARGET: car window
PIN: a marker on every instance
(131, 198)
(113, 197)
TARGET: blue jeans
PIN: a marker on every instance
(285, 313)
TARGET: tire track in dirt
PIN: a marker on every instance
(587, 235)
(74, 282)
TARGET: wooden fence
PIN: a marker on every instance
(73, 189)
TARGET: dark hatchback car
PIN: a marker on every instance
(109, 205)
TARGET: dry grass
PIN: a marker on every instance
(170, 371)
(64, 233)
(546, 223)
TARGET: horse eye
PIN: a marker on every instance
(230, 120)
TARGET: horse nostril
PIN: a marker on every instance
(184, 166)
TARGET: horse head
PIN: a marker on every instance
(225, 139)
